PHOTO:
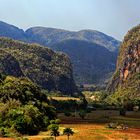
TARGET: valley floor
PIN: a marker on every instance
(93, 127)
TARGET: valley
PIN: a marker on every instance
(42, 99)
(93, 54)
(93, 127)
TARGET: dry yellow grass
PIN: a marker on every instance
(64, 98)
(89, 129)
(95, 132)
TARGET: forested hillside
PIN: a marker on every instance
(46, 68)
(92, 63)
(94, 45)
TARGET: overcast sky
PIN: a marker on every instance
(113, 17)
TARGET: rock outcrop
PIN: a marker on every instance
(126, 80)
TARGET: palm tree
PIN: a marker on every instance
(54, 130)
(68, 132)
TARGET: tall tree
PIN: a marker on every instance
(68, 132)
(54, 130)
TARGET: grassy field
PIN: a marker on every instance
(93, 127)
(64, 98)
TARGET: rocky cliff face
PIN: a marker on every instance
(48, 69)
(126, 79)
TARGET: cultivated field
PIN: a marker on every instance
(93, 127)
(64, 98)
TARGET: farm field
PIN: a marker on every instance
(93, 127)
(63, 98)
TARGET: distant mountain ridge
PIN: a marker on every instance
(51, 36)
(54, 38)
(11, 31)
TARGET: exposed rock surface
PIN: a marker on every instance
(126, 79)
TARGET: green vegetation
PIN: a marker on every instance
(68, 132)
(69, 105)
(46, 68)
(91, 62)
(24, 109)
(92, 53)
(125, 83)
(54, 128)
(82, 114)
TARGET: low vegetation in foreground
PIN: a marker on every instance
(95, 126)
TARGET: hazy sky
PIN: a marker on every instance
(113, 17)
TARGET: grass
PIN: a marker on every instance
(93, 127)
(64, 98)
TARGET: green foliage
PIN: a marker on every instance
(69, 105)
(68, 132)
(54, 128)
(94, 65)
(23, 107)
(67, 113)
(28, 120)
(46, 68)
(56, 121)
(25, 119)
(127, 87)
(82, 114)
(8, 132)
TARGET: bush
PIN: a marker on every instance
(56, 121)
(117, 126)
(23, 107)
(82, 114)
(25, 119)
(67, 114)
(8, 132)
(122, 112)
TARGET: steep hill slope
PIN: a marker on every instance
(53, 38)
(7, 30)
(9, 65)
(43, 66)
(126, 80)
(50, 36)
(92, 63)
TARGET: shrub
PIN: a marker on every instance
(25, 119)
(117, 126)
(67, 114)
(122, 112)
(82, 114)
(54, 128)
